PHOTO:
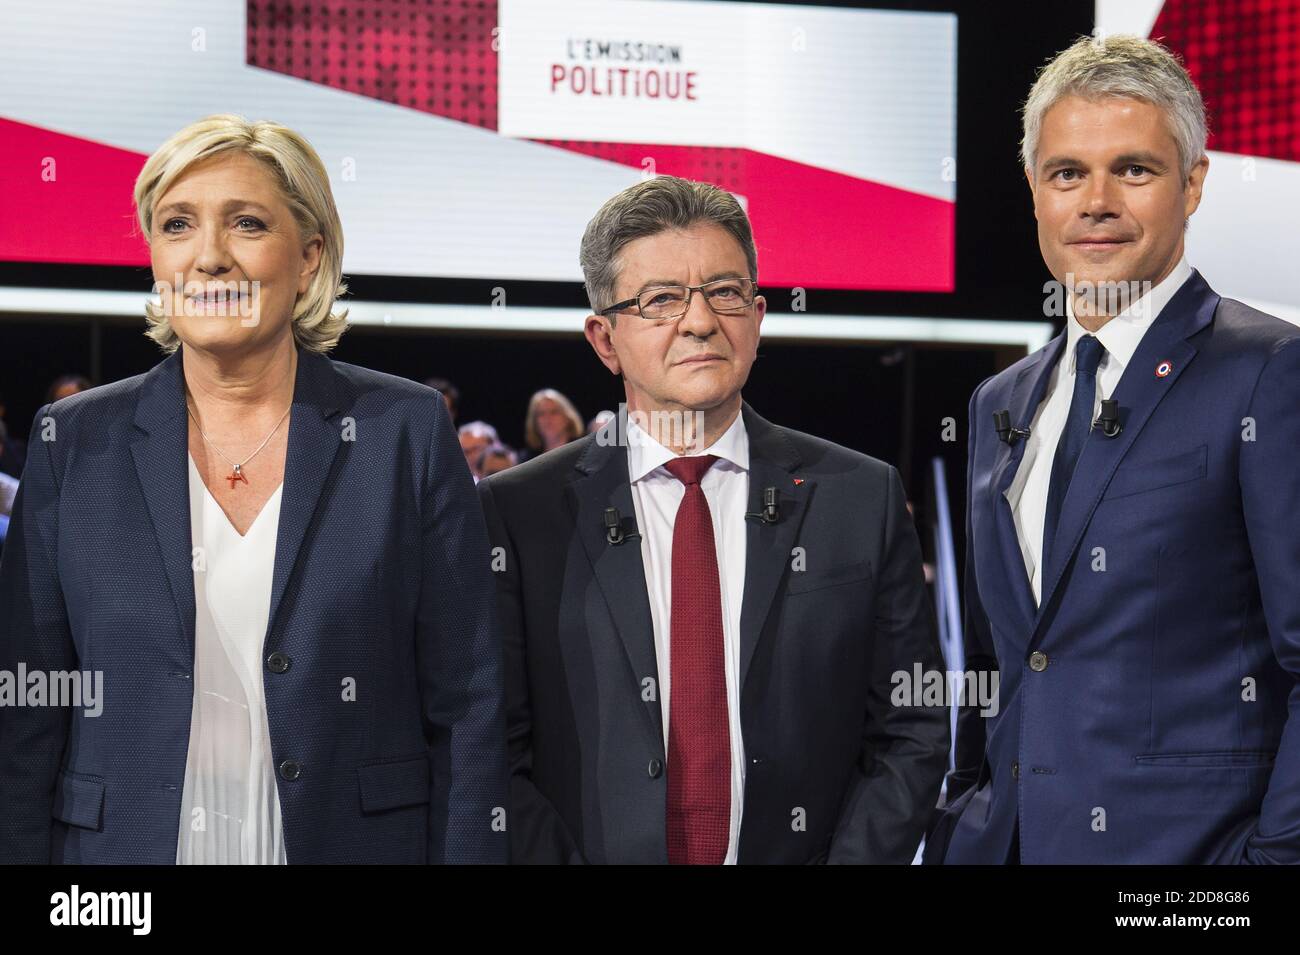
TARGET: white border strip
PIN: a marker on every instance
(806, 327)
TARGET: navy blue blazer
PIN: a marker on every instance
(1150, 707)
(381, 577)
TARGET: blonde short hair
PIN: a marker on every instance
(303, 183)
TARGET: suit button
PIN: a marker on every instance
(290, 769)
(1038, 661)
(278, 662)
(1015, 770)
(655, 769)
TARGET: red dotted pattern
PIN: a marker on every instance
(436, 56)
(723, 166)
(1245, 57)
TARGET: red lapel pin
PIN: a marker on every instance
(798, 481)
(1164, 368)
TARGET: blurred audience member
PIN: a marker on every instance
(552, 423)
(496, 457)
(66, 385)
(450, 394)
(8, 490)
(12, 451)
(475, 438)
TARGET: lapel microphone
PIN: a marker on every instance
(1006, 433)
(614, 532)
(1108, 419)
(771, 512)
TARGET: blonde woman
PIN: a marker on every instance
(551, 423)
(274, 562)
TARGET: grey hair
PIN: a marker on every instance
(1120, 66)
(479, 429)
(648, 208)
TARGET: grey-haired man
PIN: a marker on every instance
(1132, 546)
(705, 613)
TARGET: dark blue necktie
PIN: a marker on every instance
(1087, 356)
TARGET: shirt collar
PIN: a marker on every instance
(1123, 333)
(645, 454)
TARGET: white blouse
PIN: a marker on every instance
(230, 809)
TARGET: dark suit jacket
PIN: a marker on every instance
(1160, 724)
(818, 647)
(379, 577)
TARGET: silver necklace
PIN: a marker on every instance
(237, 474)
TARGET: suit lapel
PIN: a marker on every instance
(620, 572)
(773, 461)
(314, 443)
(161, 463)
(1026, 395)
(603, 482)
(1139, 391)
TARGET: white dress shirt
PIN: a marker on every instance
(1120, 337)
(230, 807)
(656, 495)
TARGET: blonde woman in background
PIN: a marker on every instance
(551, 423)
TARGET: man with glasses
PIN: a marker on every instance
(704, 613)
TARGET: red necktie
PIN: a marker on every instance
(699, 740)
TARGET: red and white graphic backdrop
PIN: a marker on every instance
(475, 138)
(1245, 58)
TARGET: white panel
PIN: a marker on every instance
(431, 196)
(867, 93)
(1127, 16)
(1243, 238)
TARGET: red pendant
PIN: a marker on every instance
(235, 476)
